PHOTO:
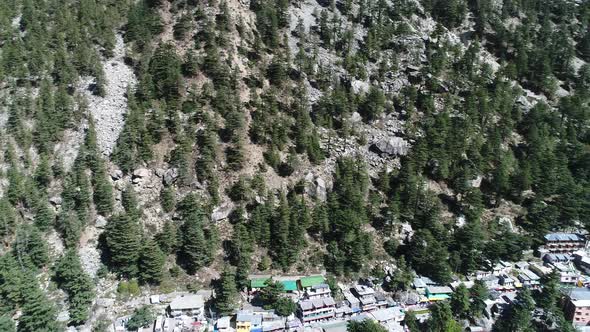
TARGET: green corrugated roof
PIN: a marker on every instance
(258, 282)
(311, 281)
(289, 285)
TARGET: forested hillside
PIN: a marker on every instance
(161, 142)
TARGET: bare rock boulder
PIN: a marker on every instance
(160, 172)
(101, 222)
(55, 200)
(222, 212)
(116, 174)
(392, 146)
(170, 176)
(140, 174)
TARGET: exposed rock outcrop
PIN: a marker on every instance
(109, 111)
(393, 146)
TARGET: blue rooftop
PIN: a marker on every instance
(563, 237)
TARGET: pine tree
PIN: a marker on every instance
(460, 301)
(280, 233)
(151, 263)
(123, 236)
(103, 191)
(549, 295)
(70, 228)
(30, 247)
(285, 307)
(8, 218)
(167, 238)
(366, 325)
(519, 316)
(165, 69)
(182, 27)
(243, 269)
(225, 301)
(91, 146)
(11, 282)
(44, 216)
(168, 199)
(16, 190)
(373, 105)
(129, 202)
(141, 317)
(43, 172)
(441, 319)
(38, 314)
(479, 294)
(212, 241)
(6, 324)
(193, 252)
(271, 293)
(70, 277)
(411, 322)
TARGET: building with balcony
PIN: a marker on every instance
(318, 291)
(317, 310)
(366, 296)
(576, 305)
(529, 279)
(561, 243)
(190, 305)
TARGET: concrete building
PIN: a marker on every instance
(438, 293)
(481, 274)
(387, 315)
(189, 305)
(529, 279)
(224, 324)
(560, 243)
(366, 296)
(246, 321)
(539, 270)
(318, 291)
(500, 268)
(420, 284)
(352, 301)
(317, 310)
(557, 258)
(582, 262)
(310, 281)
(567, 274)
(577, 306)
(506, 282)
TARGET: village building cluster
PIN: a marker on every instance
(319, 311)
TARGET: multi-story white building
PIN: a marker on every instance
(564, 242)
(366, 296)
(318, 291)
(317, 309)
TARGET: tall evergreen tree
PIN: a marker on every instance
(460, 301)
(123, 236)
(151, 263)
(70, 277)
(6, 324)
(479, 294)
(441, 319)
(30, 247)
(38, 313)
(193, 253)
(226, 296)
(103, 191)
